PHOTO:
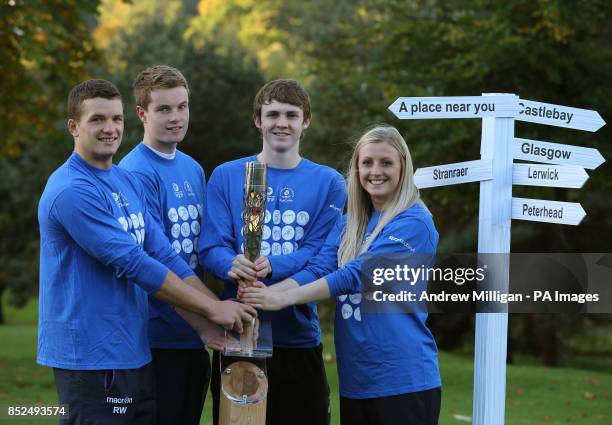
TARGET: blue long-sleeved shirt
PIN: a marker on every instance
(100, 255)
(378, 355)
(175, 190)
(303, 204)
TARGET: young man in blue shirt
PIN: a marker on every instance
(175, 189)
(100, 254)
(304, 201)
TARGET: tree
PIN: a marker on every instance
(44, 46)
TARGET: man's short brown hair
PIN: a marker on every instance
(284, 91)
(154, 78)
(88, 90)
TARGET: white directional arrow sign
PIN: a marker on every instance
(554, 153)
(410, 108)
(447, 174)
(548, 175)
(547, 211)
(560, 116)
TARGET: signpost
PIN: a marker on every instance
(497, 174)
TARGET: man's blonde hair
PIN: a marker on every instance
(154, 78)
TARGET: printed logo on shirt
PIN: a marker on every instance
(276, 217)
(177, 190)
(175, 231)
(195, 227)
(193, 211)
(289, 217)
(265, 248)
(188, 188)
(271, 196)
(287, 194)
(351, 308)
(120, 199)
(401, 241)
(335, 208)
(303, 218)
(183, 213)
(123, 223)
(173, 215)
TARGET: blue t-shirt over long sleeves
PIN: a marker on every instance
(378, 355)
(303, 204)
(175, 191)
(100, 254)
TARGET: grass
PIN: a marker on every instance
(534, 396)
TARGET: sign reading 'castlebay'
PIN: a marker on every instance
(547, 211)
(559, 116)
(554, 153)
(549, 175)
(447, 174)
(454, 107)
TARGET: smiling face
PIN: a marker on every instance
(166, 118)
(281, 125)
(97, 132)
(379, 168)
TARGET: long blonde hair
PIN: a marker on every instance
(359, 204)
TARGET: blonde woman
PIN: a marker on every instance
(387, 363)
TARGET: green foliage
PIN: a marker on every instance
(44, 49)
(222, 82)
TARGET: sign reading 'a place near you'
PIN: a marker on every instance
(455, 107)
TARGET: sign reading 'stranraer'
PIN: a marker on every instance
(447, 174)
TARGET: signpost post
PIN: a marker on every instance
(496, 174)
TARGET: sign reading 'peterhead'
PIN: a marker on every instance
(447, 174)
(559, 116)
(454, 107)
(547, 211)
(554, 153)
(549, 175)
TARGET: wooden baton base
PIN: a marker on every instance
(244, 388)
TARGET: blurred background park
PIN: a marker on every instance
(355, 58)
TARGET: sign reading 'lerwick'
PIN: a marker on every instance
(447, 174)
(549, 175)
(558, 115)
(554, 153)
(454, 107)
(547, 211)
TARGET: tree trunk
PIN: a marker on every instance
(1, 306)
(550, 354)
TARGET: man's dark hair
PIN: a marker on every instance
(283, 91)
(88, 90)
